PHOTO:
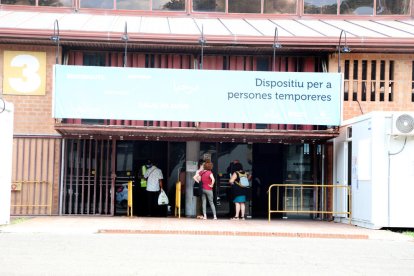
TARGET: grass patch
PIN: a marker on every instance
(409, 233)
(404, 231)
(17, 220)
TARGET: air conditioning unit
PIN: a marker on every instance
(403, 123)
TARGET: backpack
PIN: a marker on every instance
(244, 181)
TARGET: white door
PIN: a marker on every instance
(341, 178)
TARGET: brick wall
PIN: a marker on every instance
(33, 114)
(402, 84)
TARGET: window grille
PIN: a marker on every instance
(375, 77)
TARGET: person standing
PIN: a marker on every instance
(229, 192)
(196, 177)
(154, 185)
(140, 191)
(208, 180)
(231, 168)
(239, 192)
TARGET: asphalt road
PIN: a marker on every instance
(132, 254)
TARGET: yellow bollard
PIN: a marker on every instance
(129, 208)
(177, 209)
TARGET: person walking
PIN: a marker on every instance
(154, 185)
(239, 191)
(208, 181)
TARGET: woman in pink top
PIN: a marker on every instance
(208, 180)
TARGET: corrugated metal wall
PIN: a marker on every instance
(35, 177)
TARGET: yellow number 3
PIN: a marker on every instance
(25, 73)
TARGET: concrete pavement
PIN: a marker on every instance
(191, 226)
(32, 254)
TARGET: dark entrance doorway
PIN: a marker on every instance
(131, 156)
(268, 164)
(297, 164)
(222, 155)
(90, 185)
(143, 151)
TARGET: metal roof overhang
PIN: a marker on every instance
(222, 45)
(191, 134)
(172, 33)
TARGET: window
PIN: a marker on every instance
(50, 3)
(157, 5)
(244, 6)
(92, 121)
(346, 81)
(357, 7)
(280, 6)
(94, 59)
(97, 4)
(124, 151)
(387, 7)
(56, 3)
(19, 2)
(364, 81)
(391, 81)
(168, 5)
(298, 164)
(262, 64)
(355, 82)
(373, 79)
(382, 80)
(374, 76)
(209, 5)
(320, 7)
(150, 60)
(306, 149)
(133, 5)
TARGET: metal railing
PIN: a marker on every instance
(177, 208)
(130, 199)
(310, 199)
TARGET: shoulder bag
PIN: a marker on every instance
(198, 186)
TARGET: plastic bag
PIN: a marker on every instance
(162, 198)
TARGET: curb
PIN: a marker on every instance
(237, 233)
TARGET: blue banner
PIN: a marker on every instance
(119, 93)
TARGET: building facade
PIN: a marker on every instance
(78, 165)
